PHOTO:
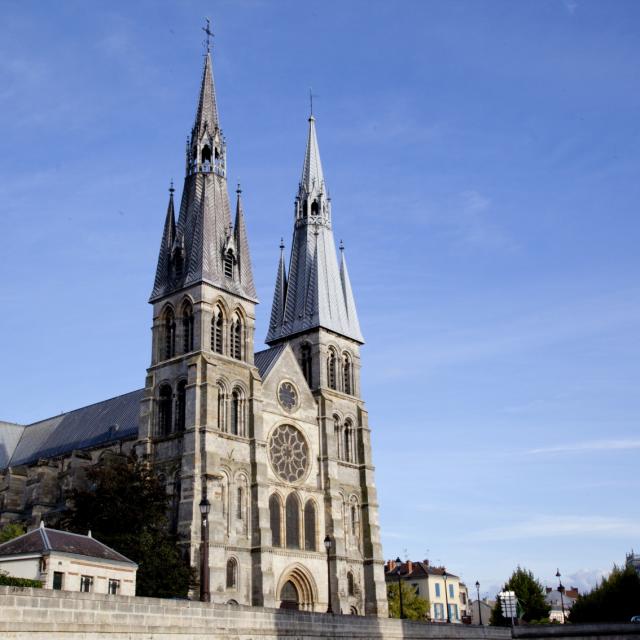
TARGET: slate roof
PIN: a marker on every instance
(265, 360)
(418, 570)
(98, 424)
(45, 540)
(10, 435)
(316, 291)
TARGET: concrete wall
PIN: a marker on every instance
(609, 631)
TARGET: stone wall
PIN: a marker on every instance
(609, 631)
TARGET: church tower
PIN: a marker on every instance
(314, 313)
(198, 406)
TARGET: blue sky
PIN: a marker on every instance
(482, 158)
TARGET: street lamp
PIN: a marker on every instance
(205, 507)
(398, 565)
(327, 546)
(561, 590)
(446, 595)
(478, 601)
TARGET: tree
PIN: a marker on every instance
(615, 600)
(530, 595)
(125, 506)
(10, 531)
(414, 607)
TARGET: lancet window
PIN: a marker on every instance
(232, 573)
(181, 405)
(217, 330)
(347, 382)
(165, 401)
(187, 328)
(169, 330)
(310, 540)
(331, 369)
(275, 520)
(236, 338)
(292, 519)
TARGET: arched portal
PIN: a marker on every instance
(297, 589)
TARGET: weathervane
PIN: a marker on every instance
(209, 33)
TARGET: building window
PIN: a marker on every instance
(169, 330)
(452, 593)
(331, 369)
(310, 526)
(228, 264)
(187, 328)
(217, 330)
(164, 410)
(57, 580)
(292, 521)
(240, 503)
(416, 588)
(221, 409)
(350, 584)
(453, 612)
(437, 586)
(86, 584)
(305, 362)
(181, 405)
(346, 374)
(438, 610)
(114, 587)
(346, 448)
(275, 520)
(337, 428)
(354, 520)
(232, 574)
(235, 412)
(236, 338)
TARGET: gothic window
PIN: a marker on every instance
(305, 361)
(181, 405)
(350, 584)
(347, 451)
(221, 408)
(275, 518)
(235, 413)
(236, 338)
(240, 503)
(292, 521)
(331, 369)
(206, 153)
(187, 328)
(310, 526)
(347, 374)
(164, 410)
(288, 453)
(232, 573)
(314, 208)
(169, 329)
(353, 519)
(217, 330)
(338, 434)
(228, 264)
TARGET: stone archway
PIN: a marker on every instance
(297, 589)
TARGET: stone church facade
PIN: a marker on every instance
(277, 441)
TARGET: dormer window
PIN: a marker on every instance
(228, 264)
(315, 209)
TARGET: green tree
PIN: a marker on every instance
(11, 530)
(614, 600)
(530, 595)
(125, 506)
(414, 607)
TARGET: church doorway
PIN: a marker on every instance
(289, 598)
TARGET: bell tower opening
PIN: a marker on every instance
(205, 154)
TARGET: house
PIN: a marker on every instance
(68, 561)
(560, 603)
(480, 611)
(447, 595)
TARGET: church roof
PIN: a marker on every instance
(265, 360)
(316, 292)
(44, 540)
(98, 424)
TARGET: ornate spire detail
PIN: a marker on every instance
(166, 244)
(207, 113)
(318, 292)
(245, 274)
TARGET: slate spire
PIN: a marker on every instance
(243, 259)
(279, 293)
(207, 112)
(318, 292)
(166, 244)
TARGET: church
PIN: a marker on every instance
(276, 442)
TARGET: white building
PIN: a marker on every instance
(68, 561)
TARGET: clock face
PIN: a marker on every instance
(288, 453)
(288, 396)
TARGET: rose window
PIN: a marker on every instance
(288, 452)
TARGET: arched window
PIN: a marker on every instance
(275, 520)
(217, 330)
(240, 503)
(310, 526)
(235, 413)
(206, 153)
(169, 330)
(165, 401)
(347, 374)
(305, 362)
(228, 263)
(314, 208)
(350, 584)
(232, 573)
(331, 369)
(354, 513)
(347, 449)
(292, 509)
(181, 405)
(222, 419)
(337, 427)
(187, 328)
(236, 338)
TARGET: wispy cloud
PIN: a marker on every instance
(590, 446)
(557, 526)
(571, 6)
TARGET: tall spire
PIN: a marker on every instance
(279, 293)
(207, 112)
(318, 291)
(166, 244)
(245, 274)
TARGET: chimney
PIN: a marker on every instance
(391, 564)
(409, 566)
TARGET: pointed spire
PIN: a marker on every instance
(349, 300)
(163, 275)
(312, 175)
(242, 248)
(207, 113)
(279, 295)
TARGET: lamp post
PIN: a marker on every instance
(446, 595)
(398, 565)
(327, 546)
(205, 507)
(561, 590)
(478, 601)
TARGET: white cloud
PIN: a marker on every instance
(585, 579)
(589, 446)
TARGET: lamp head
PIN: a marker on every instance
(327, 542)
(205, 506)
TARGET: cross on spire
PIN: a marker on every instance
(311, 97)
(207, 30)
